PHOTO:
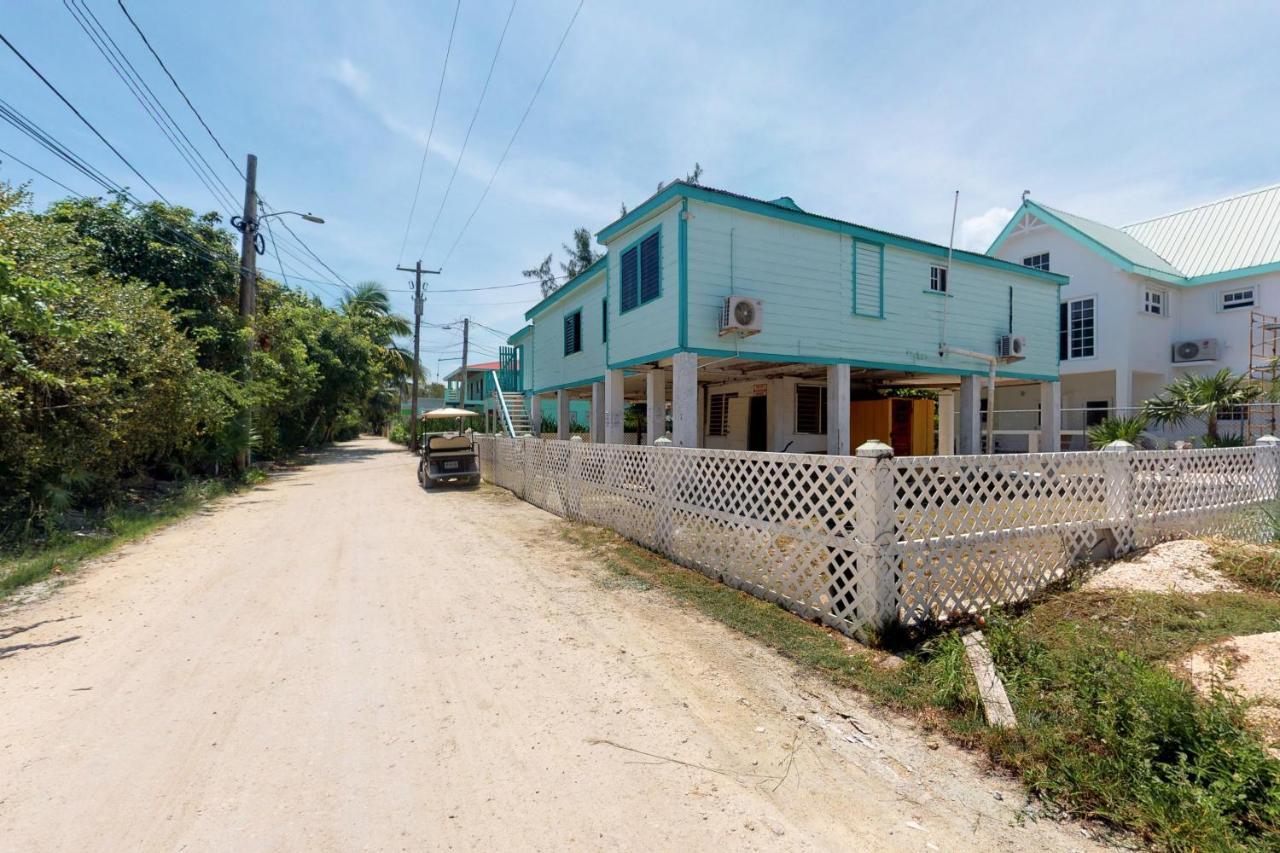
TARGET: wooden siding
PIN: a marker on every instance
(551, 367)
(652, 327)
(805, 277)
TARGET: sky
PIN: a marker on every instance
(875, 113)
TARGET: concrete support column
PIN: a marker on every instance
(1124, 392)
(946, 423)
(838, 410)
(969, 427)
(655, 394)
(684, 399)
(562, 414)
(535, 414)
(614, 405)
(597, 412)
(1050, 417)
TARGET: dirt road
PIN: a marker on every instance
(341, 661)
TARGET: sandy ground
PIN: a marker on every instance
(341, 661)
(1182, 566)
(1250, 666)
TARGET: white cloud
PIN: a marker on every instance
(353, 77)
(976, 233)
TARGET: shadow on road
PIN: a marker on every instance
(10, 651)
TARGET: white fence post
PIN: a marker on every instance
(664, 493)
(876, 606)
(1268, 465)
(1117, 468)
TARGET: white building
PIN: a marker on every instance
(1180, 293)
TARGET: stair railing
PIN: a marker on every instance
(502, 402)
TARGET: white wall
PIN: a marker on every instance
(781, 416)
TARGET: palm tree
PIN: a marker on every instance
(369, 300)
(1116, 429)
(1201, 398)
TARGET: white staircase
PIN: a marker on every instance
(511, 404)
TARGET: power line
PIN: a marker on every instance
(141, 92)
(40, 173)
(80, 116)
(15, 117)
(199, 117)
(467, 138)
(430, 132)
(515, 133)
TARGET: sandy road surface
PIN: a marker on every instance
(341, 661)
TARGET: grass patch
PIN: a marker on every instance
(1107, 731)
(1254, 566)
(64, 552)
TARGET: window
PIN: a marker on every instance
(1037, 262)
(1237, 412)
(1240, 298)
(1095, 412)
(718, 414)
(573, 332)
(1077, 328)
(1155, 302)
(811, 409)
(641, 272)
(604, 321)
(938, 279)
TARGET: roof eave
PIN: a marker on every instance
(560, 292)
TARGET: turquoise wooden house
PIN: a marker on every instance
(484, 382)
(751, 324)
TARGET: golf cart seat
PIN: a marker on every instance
(439, 443)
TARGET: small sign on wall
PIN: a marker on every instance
(761, 390)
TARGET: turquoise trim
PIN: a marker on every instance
(520, 335)
(874, 365)
(635, 244)
(577, 330)
(657, 356)
(683, 284)
(938, 292)
(880, 314)
(572, 284)
(580, 383)
(860, 232)
(1228, 275)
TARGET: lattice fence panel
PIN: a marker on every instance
(1205, 492)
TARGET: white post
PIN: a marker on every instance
(1268, 467)
(597, 412)
(535, 415)
(838, 410)
(1051, 416)
(684, 399)
(655, 393)
(876, 601)
(969, 429)
(1118, 469)
(614, 404)
(946, 423)
(1124, 392)
(562, 414)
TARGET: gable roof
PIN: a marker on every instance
(1231, 238)
(472, 369)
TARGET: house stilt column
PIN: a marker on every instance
(838, 410)
(655, 393)
(1050, 417)
(969, 428)
(684, 399)
(614, 405)
(535, 414)
(946, 423)
(597, 412)
(562, 414)
(1124, 393)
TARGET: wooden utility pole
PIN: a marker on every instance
(466, 335)
(417, 271)
(248, 227)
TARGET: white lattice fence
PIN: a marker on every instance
(859, 542)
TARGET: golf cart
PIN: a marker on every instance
(448, 457)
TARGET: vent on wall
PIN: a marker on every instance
(1205, 349)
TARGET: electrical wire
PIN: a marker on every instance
(467, 137)
(514, 133)
(430, 132)
(22, 162)
(80, 116)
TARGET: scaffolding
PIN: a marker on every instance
(1264, 366)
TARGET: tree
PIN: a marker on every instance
(542, 272)
(581, 255)
(1201, 398)
(1116, 429)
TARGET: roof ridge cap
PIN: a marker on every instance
(1205, 204)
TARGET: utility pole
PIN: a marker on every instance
(466, 335)
(248, 226)
(417, 271)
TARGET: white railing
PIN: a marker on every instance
(861, 542)
(502, 403)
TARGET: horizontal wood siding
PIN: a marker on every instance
(551, 367)
(805, 276)
(652, 327)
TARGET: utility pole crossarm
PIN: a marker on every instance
(418, 272)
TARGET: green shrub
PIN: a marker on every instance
(1117, 429)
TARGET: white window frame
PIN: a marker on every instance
(938, 276)
(1160, 303)
(1093, 343)
(1250, 301)
(822, 408)
(1034, 262)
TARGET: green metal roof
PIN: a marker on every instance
(1114, 239)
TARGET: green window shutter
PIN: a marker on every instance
(630, 263)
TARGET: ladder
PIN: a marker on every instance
(511, 406)
(1264, 364)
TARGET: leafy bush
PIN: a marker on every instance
(1117, 429)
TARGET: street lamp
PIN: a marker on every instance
(310, 217)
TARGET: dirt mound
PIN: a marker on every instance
(1248, 665)
(1182, 566)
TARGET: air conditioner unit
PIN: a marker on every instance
(741, 315)
(1201, 350)
(1011, 347)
